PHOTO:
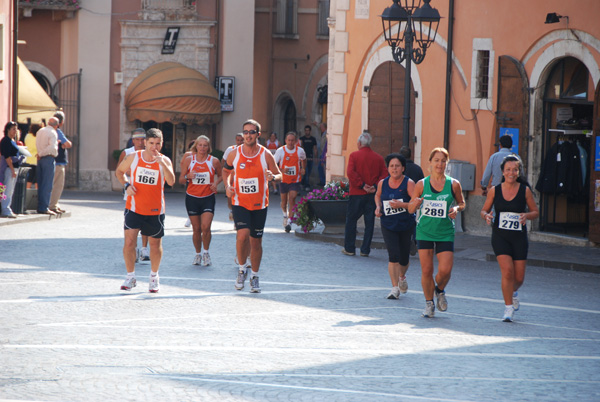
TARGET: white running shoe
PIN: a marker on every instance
(254, 286)
(197, 260)
(394, 294)
(154, 284)
(188, 223)
(241, 279)
(206, 259)
(144, 254)
(403, 285)
(516, 303)
(129, 283)
(429, 310)
(508, 314)
(442, 303)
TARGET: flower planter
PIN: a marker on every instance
(332, 213)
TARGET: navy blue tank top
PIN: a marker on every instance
(396, 219)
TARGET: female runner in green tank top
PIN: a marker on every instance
(439, 198)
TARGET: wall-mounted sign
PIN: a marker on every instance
(226, 88)
(170, 40)
(513, 133)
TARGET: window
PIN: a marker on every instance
(322, 26)
(482, 74)
(287, 18)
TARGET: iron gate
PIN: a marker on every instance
(66, 94)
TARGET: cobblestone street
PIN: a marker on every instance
(321, 330)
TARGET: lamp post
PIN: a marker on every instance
(421, 25)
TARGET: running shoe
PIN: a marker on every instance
(508, 314)
(197, 260)
(254, 286)
(241, 279)
(288, 228)
(413, 247)
(206, 259)
(394, 294)
(516, 303)
(137, 254)
(429, 309)
(129, 283)
(403, 285)
(442, 303)
(144, 254)
(154, 284)
(188, 223)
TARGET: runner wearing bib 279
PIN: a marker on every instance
(435, 196)
(511, 199)
(246, 172)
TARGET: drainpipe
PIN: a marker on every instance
(15, 97)
(448, 74)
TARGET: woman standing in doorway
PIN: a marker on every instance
(203, 175)
(511, 199)
(439, 198)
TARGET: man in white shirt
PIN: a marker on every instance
(46, 141)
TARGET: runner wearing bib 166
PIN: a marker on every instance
(435, 196)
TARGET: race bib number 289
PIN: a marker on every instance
(434, 208)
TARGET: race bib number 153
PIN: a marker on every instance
(248, 186)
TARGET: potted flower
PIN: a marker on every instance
(328, 206)
(2, 190)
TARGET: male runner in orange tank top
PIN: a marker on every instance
(253, 166)
(145, 208)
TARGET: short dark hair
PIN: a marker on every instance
(154, 133)
(60, 116)
(308, 126)
(254, 123)
(389, 158)
(8, 126)
(405, 151)
(506, 141)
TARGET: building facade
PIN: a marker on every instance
(539, 83)
(7, 62)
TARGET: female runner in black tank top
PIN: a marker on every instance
(511, 199)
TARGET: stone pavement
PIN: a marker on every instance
(321, 329)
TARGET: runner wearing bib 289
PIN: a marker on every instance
(439, 199)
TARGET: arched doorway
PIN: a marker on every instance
(289, 118)
(567, 149)
(386, 108)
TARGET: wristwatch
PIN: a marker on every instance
(126, 185)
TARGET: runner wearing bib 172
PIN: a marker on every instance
(203, 175)
(291, 160)
(439, 199)
(513, 204)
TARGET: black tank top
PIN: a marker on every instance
(517, 205)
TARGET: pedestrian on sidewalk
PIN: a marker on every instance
(513, 204)
(253, 166)
(439, 198)
(202, 173)
(365, 169)
(291, 160)
(9, 167)
(46, 142)
(60, 166)
(397, 224)
(145, 208)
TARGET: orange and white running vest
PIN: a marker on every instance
(251, 190)
(148, 180)
(290, 165)
(204, 176)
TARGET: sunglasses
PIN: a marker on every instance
(249, 131)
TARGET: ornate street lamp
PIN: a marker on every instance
(421, 25)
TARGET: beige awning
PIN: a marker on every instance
(172, 92)
(33, 102)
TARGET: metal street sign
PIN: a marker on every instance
(170, 40)
(226, 88)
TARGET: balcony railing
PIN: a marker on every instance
(169, 9)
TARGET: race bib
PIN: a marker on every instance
(509, 221)
(434, 208)
(146, 176)
(201, 178)
(290, 170)
(248, 186)
(389, 210)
